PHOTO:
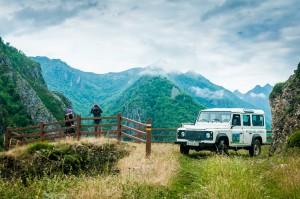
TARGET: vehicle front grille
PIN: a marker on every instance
(195, 135)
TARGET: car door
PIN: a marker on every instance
(247, 128)
(237, 137)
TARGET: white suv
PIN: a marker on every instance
(220, 129)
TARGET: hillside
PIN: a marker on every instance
(285, 107)
(24, 96)
(159, 99)
(83, 88)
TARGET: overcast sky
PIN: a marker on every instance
(237, 44)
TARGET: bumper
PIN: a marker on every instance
(201, 146)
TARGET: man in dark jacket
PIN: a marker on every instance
(69, 116)
(96, 111)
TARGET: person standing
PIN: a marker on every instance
(96, 111)
(69, 116)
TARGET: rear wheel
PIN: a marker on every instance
(255, 148)
(222, 147)
(184, 150)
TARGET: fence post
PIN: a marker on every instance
(148, 137)
(78, 127)
(7, 139)
(42, 131)
(119, 122)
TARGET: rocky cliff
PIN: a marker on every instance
(24, 97)
(285, 107)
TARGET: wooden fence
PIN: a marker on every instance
(119, 127)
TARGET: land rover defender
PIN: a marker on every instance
(220, 129)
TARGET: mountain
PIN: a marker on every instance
(24, 96)
(104, 88)
(238, 94)
(259, 97)
(84, 88)
(285, 106)
(157, 98)
(205, 92)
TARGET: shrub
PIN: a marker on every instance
(289, 109)
(277, 90)
(297, 72)
(294, 140)
(39, 146)
(47, 159)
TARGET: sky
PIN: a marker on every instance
(237, 44)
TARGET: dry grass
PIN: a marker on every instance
(135, 170)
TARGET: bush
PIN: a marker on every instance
(47, 159)
(39, 146)
(277, 89)
(294, 140)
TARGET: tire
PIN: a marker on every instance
(222, 148)
(255, 149)
(184, 150)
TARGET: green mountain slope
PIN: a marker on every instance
(159, 99)
(83, 88)
(24, 97)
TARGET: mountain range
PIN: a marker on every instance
(114, 91)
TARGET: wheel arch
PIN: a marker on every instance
(222, 136)
(258, 137)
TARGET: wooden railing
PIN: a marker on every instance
(119, 128)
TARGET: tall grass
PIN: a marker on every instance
(139, 177)
(168, 174)
(239, 176)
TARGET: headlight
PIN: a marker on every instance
(208, 135)
(182, 134)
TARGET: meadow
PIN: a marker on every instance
(169, 174)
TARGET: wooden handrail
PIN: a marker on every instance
(133, 137)
(133, 129)
(26, 128)
(132, 121)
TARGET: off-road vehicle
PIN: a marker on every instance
(220, 129)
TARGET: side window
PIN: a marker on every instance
(258, 120)
(236, 120)
(246, 120)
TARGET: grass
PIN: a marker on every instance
(168, 174)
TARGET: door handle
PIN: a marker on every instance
(241, 133)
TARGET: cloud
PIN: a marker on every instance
(228, 6)
(233, 43)
(29, 16)
(259, 95)
(206, 93)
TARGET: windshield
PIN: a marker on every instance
(206, 116)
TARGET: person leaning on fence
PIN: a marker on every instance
(69, 116)
(96, 111)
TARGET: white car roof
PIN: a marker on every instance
(235, 110)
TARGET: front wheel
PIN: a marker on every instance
(184, 150)
(222, 148)
(255, 149)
